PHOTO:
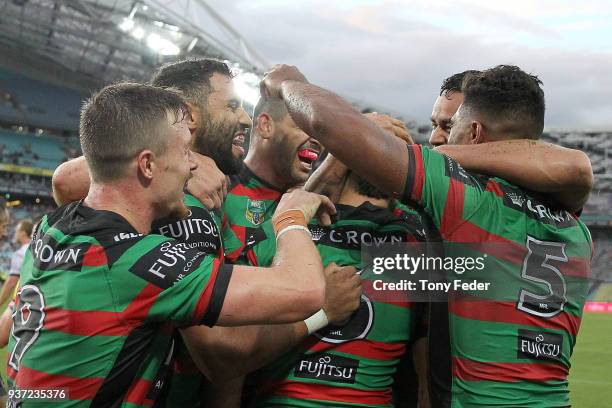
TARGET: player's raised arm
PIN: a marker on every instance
(70, 181)
(374, 154)
(565, 174)
(208, 184)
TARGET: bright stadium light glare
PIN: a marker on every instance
(127, 24)
(247, 87)
(162, 45)
(138, 33)
(192, 44)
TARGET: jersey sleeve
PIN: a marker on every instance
(446, 191)
(159, 279)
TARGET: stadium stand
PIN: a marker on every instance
(34, 103)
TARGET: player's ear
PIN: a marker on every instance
(265, 125)
(477, 133)
(193, 117)
(146, 165)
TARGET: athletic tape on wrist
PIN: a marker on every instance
(293, 227)
(289, 217)
(316, 322)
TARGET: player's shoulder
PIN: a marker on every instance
(76, 221)
(515, 201)
(439, 167)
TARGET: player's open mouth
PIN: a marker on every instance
(307, 157)
(238, 144)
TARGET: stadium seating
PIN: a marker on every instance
(35, 151)
(35, 103)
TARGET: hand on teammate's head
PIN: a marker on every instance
(342, 293)
(392, 125)
(208, 184)
(272, 81)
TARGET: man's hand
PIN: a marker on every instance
(271, 83)
(328, 179)
(208, 184)
(309, 203)
(392, 125)
(342, 293)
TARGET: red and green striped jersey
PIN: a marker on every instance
(250, 201)
(201, 229)
(510, 346)
(98, 308)
(351, 365)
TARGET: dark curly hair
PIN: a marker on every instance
(191, 77)
(453, 83)
(508, 99)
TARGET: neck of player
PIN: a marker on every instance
(119, 198)
(351, 197)
(262, 169)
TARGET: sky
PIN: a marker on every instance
(394, 54)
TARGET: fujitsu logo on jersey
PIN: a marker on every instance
(539, 346)
(327, 367)
(170, 255)
(183, 229)
(168, 263)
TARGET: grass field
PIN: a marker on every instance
(591, 374)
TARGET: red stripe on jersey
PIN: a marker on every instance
(139, 307)
(240, 233)
(503, 248)
(419, 174)
(204, 300)
(469, 370)
(374, 350)
(102, 323)
(309, 391)
(252, 257)
(494, 187)
(137, 394)
(255, 193)
(85, 322)
(506, 312)
(453, 208)
(95, 256)
(76, 388)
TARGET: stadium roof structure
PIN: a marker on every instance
(100, 41)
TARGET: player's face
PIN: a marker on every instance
(223, 128)
(175, 165)
(443, 110)
(295, 150)
(460, 128)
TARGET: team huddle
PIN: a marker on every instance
(184, 270)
